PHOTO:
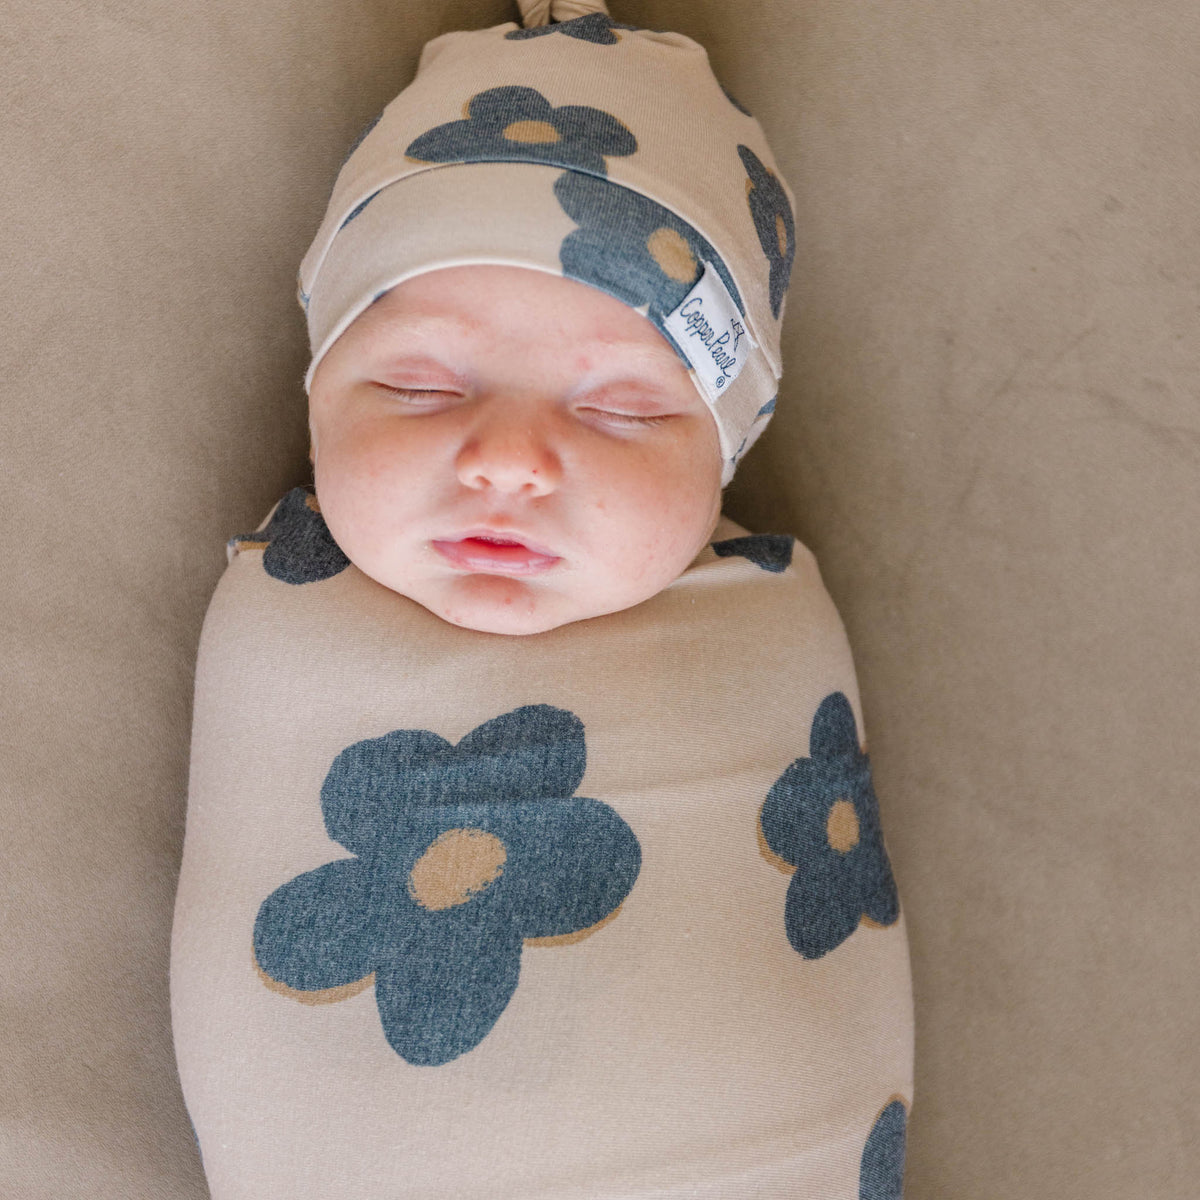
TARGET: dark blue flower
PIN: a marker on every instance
(772, 216)
(771, 551)
(462, 852)
(821, 822)
(355, 211)
(593, 27)
(633, 248)
(518, 124)
(296, 543)
(881, 1174)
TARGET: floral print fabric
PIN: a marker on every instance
(451, 902)
(626, 244)
(822, 819)
(773, 221)
(518, 124)
(633, 248)
(462, 852)
(296, 543)
(771, 551)
(881, 1174)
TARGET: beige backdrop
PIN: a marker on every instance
(988, 434)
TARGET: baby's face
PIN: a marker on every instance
(475, 406)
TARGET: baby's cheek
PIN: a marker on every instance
(359, 469)
(655, 546)
(686, 498)
(348, 508)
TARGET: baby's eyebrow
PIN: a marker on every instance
(627, 389)
(421, 326)
(617, 363)
(653, 354)
(428, 328)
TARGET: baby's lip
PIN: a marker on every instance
(494, 550)
(511, 536)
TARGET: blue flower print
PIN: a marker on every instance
(296, 543)
(593, 27)
(633, 248)
(772, 216)
(354, 213)
(518, 124)
(820, 823)
(771, 551)
(358, 141)
(881, 1173)
(461, 853)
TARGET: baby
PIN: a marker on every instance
(532, 851)
(512, 449)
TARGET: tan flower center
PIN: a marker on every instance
(781, 234)
(674, 257)
(531, 132)
(456, 867)
(841, 826)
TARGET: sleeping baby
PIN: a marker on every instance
(532, 851)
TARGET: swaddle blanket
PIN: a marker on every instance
(601, 913)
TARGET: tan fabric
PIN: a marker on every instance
(698, 1034)
(987, 436)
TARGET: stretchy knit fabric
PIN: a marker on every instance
(602, 913)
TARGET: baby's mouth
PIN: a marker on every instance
(495, 541)
(483, 551)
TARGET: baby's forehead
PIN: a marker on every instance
(493, 312)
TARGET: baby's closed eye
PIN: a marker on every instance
(418, 395)
(432, 397)
(626, 418)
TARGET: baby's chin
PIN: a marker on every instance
(505, 604)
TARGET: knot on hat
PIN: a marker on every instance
(542, 12)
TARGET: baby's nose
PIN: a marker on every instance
(511, 453)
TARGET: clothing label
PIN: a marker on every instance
(711, 332)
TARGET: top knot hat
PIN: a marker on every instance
(588, 149)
